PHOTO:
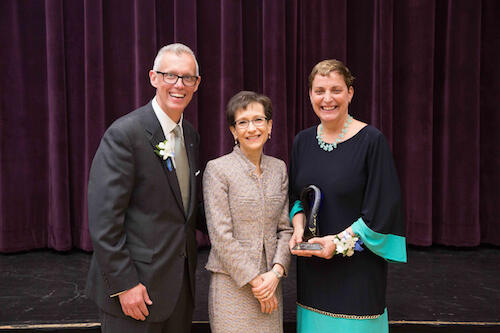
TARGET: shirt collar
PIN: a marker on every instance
(167, 124)
(246, 162)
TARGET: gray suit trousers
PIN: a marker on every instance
(178, 322)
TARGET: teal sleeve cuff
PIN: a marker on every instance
(388, 246)
(297, 207)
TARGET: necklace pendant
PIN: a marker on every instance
(331, 146)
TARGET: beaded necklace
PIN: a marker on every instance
(330, 146)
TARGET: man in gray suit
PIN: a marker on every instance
(142, 207)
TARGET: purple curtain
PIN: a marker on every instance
(427, 75)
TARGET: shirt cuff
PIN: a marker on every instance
(117, 294)
(388, 246)
(297, 208)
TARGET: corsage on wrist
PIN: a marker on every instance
(347, 244)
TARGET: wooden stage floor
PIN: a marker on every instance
(440, 289)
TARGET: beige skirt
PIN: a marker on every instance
(233, 310)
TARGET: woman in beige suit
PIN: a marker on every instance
(246, 205)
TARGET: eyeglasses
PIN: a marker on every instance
(171, 78)
(257, 122)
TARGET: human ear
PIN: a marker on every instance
(152, 78)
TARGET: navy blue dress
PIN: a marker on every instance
(360, 187)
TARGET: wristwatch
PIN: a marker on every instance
(278, 275)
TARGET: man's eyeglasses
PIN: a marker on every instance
(171, 78)
(257, 122)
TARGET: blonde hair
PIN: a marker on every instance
(325, 67)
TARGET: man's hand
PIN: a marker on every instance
(133, 302)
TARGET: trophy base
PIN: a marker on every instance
(307, 246)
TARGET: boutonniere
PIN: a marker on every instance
(165, 150)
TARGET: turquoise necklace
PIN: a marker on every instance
(330, 146)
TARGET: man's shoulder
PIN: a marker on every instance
(132, 118)
(188, 128)
(130, 124)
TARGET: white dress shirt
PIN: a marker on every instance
(166, 123)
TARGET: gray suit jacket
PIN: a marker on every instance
(246, 215)
(137, 222)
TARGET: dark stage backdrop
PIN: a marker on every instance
(427, 75)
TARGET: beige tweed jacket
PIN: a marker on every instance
(247, 215)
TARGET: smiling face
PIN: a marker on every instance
(173, 98)
(330, 97)
(252, 138)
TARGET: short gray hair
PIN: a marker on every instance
(178, 49)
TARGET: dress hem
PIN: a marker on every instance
(339, 315)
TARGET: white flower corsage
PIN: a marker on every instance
(165, 150)
(347, 244)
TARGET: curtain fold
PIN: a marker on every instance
(413, 95)
(456, 124)
(274, 71)
(489, 162)
(59, 231)
(221, 59)
(427, 75)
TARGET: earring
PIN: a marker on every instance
(235, 141)
(269, 136)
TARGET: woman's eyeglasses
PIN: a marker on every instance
(257, 122)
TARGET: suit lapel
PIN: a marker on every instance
(190, 150)
(153, 127)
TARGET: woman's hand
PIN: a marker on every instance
(269, 306)
(298, 233)
(327, 245)
(265, 291)
(256, 281)
(298, 230)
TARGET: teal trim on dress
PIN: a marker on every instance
(388, 246)
(297, 207)
(313, 322)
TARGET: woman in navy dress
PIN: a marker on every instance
(341, 288)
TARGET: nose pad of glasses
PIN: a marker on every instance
(179, 83)
(252, 125)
